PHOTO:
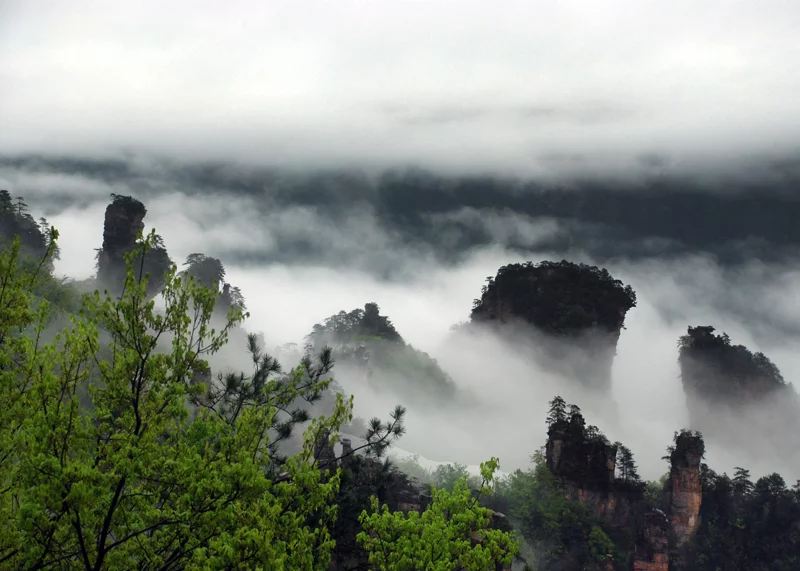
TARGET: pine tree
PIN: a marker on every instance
(626, 465)
(558, 411)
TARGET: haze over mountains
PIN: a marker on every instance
(428, 293)
(476, 206)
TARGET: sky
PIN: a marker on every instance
(200, 109)
(542, 88)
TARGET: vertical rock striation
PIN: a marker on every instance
(652, 544)
(685, 487)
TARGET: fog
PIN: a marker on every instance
(505, 391)
(210, 115)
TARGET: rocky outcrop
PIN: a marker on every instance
(652, 543)
(586, 464)
(685, 487)
(210, 273)
(122, 227)
(578, 309)
(573, 456)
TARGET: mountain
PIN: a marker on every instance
(576, 310)
(374, 354)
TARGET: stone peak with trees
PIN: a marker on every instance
(583, 454)
(559, 298)
(210, 272)
(572, 313)
(713, 368)
(738, 397)
(122, 231)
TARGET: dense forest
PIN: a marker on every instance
(123, 444)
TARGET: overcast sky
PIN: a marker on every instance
(540, 87)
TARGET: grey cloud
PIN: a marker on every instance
(479, 89)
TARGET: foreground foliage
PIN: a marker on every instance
(114, 455)
(119, 450)
(454, 532)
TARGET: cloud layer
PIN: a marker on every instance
(546, 88)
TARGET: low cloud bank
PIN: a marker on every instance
(301, 256)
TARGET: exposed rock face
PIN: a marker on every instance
(586, 464)
(685, 487)
(579, 309)
(589, 461)
(124, 222)
(652, 545)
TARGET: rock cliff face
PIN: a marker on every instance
(591, 462)
(579, 310)
(597, 474)
(124, 222)
(685, 487)
(585, 462)
(652, 545)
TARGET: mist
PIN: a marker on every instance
(504, 392)
(550, 89)
(272, 135)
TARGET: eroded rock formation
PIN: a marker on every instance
(603, 477)
(210, 272)
(685, 487)
(578, 311)
(123, 224)
(652, 543)
(585, 462)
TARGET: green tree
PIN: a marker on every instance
(454, 532)
(626, 465)
(562, 532)
(557, 412)
(117, 452)
(447, 475)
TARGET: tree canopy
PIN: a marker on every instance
(560, 298)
